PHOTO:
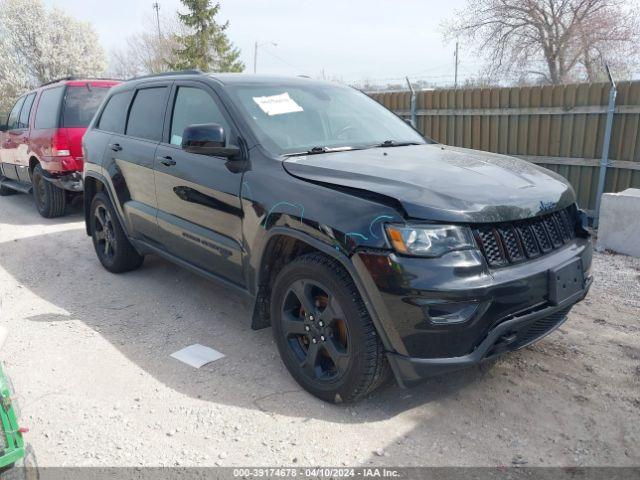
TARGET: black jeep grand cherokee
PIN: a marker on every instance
(367, 248)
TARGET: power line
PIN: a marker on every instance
(281, 59)
(255, 53)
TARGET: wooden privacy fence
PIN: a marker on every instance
(560, 127)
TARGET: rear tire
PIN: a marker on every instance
(114, 250)
(324, 332)
(49, 199)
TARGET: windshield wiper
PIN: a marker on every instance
(318, 150)
(393, 143)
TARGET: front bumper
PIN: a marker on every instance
(499, 310)
(507, 336)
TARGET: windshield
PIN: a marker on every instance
(298, 118)
(80, 104)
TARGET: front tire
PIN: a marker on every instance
(324, 332)
(112, 246)
(49, 199)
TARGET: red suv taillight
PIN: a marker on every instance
(60, 144)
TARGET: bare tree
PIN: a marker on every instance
(39, 44)
(147, 52)
(611, 38)
(556, 40)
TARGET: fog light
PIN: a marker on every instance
(442, 313)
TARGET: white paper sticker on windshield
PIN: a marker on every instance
(278, 104)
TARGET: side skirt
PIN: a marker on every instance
(146, 247)
(15, 185)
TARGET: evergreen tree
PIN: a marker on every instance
(207, 46)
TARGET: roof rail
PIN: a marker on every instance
(75, 77)
(168, 74)
(72, 77)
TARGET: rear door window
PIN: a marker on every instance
(26, 110)
(114, 115)
(14, 116)
(146, 117)
(80, 105)
(48, 113)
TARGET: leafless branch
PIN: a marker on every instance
(555, 40)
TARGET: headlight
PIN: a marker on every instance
(429, 240)
(582, 223)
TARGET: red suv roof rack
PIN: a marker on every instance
(75, 77)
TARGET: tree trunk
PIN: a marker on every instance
(554, 76)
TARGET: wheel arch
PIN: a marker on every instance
(33, 162)
(283, 245)
(280, 248)
(94, 183)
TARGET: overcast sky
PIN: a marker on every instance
(352, 40)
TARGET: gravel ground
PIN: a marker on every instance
(89, 356)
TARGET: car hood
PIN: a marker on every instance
(442, 183)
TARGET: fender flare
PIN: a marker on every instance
(341, 258)
(112, 197)
(33, 155)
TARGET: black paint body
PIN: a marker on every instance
(218, 215)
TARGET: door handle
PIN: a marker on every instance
(115, 147)
(166, 161)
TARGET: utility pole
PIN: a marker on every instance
(255, 57)
(255, 53)
(156, 7)
(455, 77)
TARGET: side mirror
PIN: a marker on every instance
(207, 139)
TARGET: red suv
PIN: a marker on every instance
(41, 141)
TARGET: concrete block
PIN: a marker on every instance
(619, 225)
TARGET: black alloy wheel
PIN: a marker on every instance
(323, 330)
(114, 250)
(104, 232)
(315, 330)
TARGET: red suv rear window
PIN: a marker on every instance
(80, 104)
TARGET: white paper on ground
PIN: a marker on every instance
(278, 104)
(197, 355)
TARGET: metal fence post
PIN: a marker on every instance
(604, 161)
(414, 102)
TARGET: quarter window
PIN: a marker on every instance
(146, 117)
(48, 113)
(14, 116)
(114, 115)
(26, 111)
(193, 106)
